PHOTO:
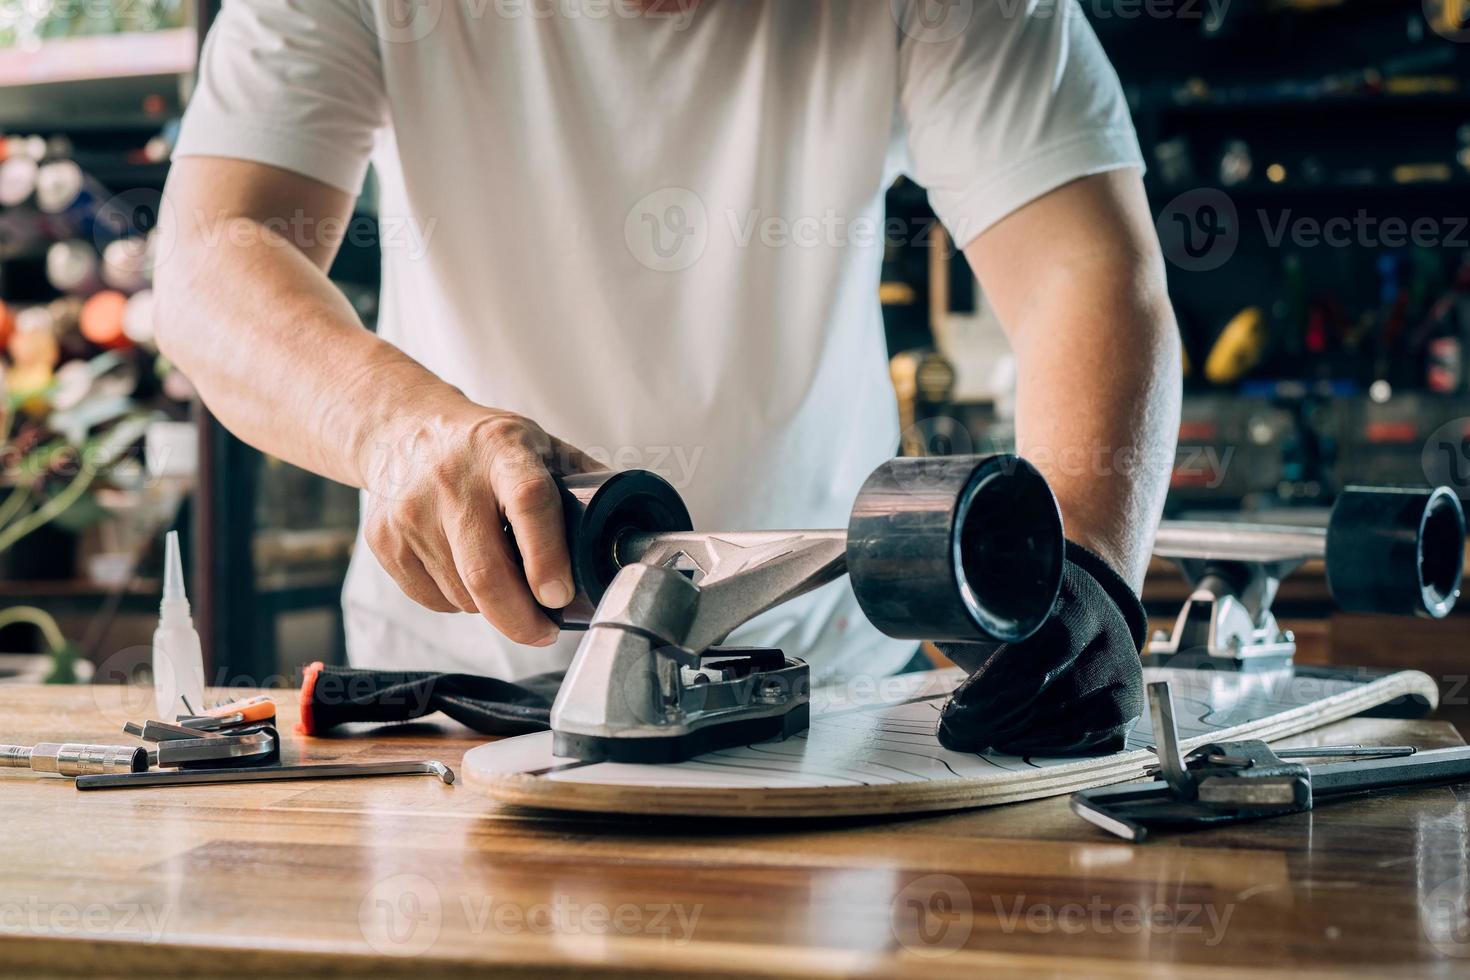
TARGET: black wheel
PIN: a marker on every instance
(1396, 550)
(962, 548)
(598, 507)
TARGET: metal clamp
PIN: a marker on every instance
(1228, 782)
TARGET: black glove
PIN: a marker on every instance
(1074, 687)
(331, 696)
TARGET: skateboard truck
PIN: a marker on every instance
(1394, 550)
(1229, 782)
(958, 548)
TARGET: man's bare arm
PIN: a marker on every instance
(245, 309)
(1077, 280)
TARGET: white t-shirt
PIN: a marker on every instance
(659, 234)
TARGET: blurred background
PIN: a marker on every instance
(1309, 172)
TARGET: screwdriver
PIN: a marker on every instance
(74, 759)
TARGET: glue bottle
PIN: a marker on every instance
(178, 659)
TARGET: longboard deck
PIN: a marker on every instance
(874, 751)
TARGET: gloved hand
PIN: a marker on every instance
(1074, 687)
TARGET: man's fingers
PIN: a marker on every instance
(438, 562)
(567, 459)
(532, 504)
(416, 582)
(483, 561)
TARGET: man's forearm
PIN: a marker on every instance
(1077, 279)
(278, 354)
(1098, 412)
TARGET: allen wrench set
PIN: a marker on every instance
(233, 743)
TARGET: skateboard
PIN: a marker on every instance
(871, 750)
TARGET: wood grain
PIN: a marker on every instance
(408, 877)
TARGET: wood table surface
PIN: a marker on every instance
(409, 877)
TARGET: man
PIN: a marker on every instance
(651, 227)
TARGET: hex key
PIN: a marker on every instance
(268, 774)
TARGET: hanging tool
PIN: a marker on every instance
(72, 759)
(958, 548)
(335, 770)
(1229, 782)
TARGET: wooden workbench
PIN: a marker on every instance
(409, 877)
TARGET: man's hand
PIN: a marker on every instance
(440, 491)
(244, 306)
(1074, 687)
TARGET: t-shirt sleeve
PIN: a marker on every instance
(296, 84)
(1001, 101)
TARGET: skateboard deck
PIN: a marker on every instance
(872, 750)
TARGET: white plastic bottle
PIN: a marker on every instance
(178, 659)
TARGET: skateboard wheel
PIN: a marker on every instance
(960, 549)
(598, 507)
(1396, 550)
